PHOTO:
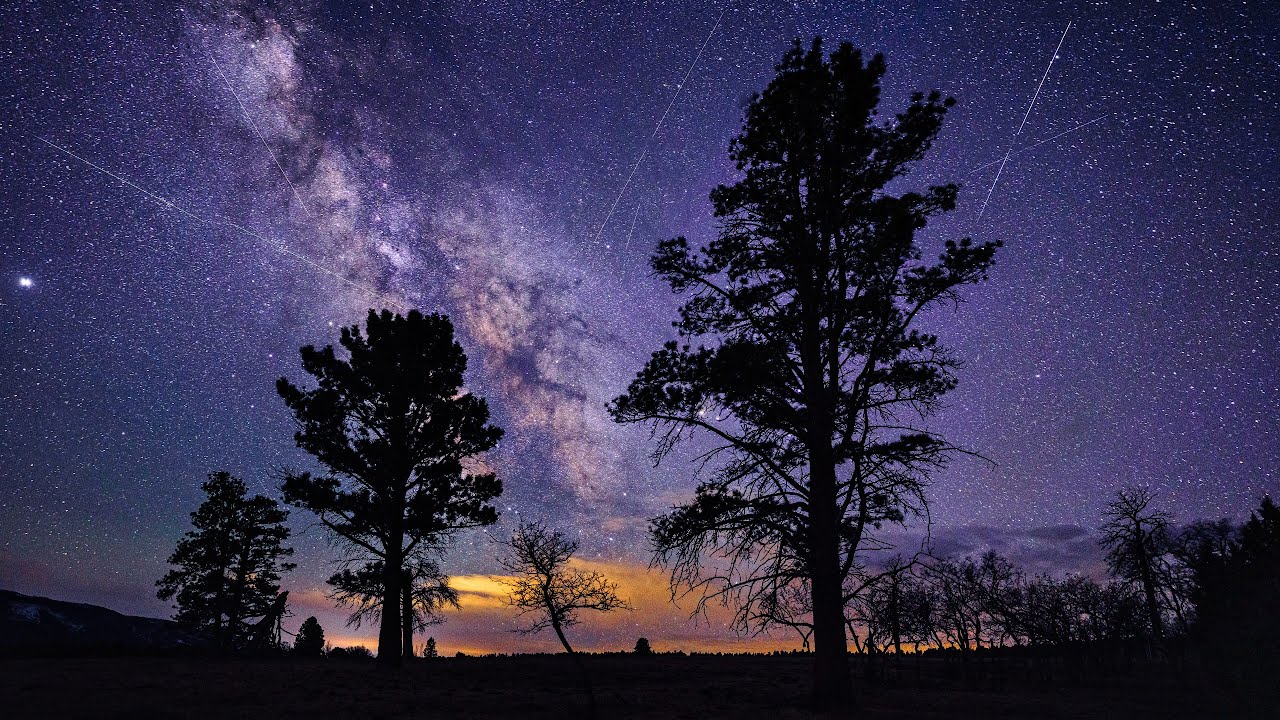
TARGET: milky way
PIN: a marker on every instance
(499, 162)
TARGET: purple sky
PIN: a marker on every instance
(464, 158)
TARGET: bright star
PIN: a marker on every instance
(26, 282)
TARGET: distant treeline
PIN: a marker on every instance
(1206, 594)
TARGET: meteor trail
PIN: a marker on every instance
(627, 245)
(256, 131)
(166, 202)
(657, 128)
(1029, 148)
(1009, 153)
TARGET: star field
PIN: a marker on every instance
(267, 176)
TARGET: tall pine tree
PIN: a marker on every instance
(396, 434)
(799, 355)
(228, 568)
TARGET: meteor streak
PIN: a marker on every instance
(1009, 153)
(166, 202)
(627, 245)
(657, 128)
(256, 131)
(1029, 148)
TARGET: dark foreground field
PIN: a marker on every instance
(545, 687)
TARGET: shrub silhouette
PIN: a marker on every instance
(358, 652)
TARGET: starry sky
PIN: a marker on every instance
(187, 195)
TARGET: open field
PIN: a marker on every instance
(665, 686)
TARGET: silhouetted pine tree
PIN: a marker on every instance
(228, 567)
(310, 640)
(799, 356)
(395, 431)
(1237, 598)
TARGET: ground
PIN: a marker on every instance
(666, 686)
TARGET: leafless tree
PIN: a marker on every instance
(1137, 538)
(552, 594)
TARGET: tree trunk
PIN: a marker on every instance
(1149, 589)
(831, 685)
(235, 617)
(389, 632)
(220, 621)
(406, 616)
(895, 618)
(582, 670)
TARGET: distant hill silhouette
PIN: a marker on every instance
(32, 625)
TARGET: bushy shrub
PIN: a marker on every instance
(357, 652)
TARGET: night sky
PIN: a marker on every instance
(267, 176)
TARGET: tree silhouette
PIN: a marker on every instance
(957, 616)
(1136, 538)
(799, 355)
(310, 640)
(893, 609)
(642, 647)
(228, 568)
(356, 652)
(398, 438)
(546, 589)
(1237, 595)
(430, 650)
(425, 592)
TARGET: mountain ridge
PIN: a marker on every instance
(31, 624)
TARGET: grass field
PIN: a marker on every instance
(664, 686)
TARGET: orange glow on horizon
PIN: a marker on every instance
(485, 624)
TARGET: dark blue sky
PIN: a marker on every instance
(463, 157)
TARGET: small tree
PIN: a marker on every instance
(642, 647)
(228, 568)
(546, 589)
(396, 433)
(430, 650)
(310, 640)
(1136, 538)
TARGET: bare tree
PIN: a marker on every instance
(1137, 538)
(955, 604)
(545, 589)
